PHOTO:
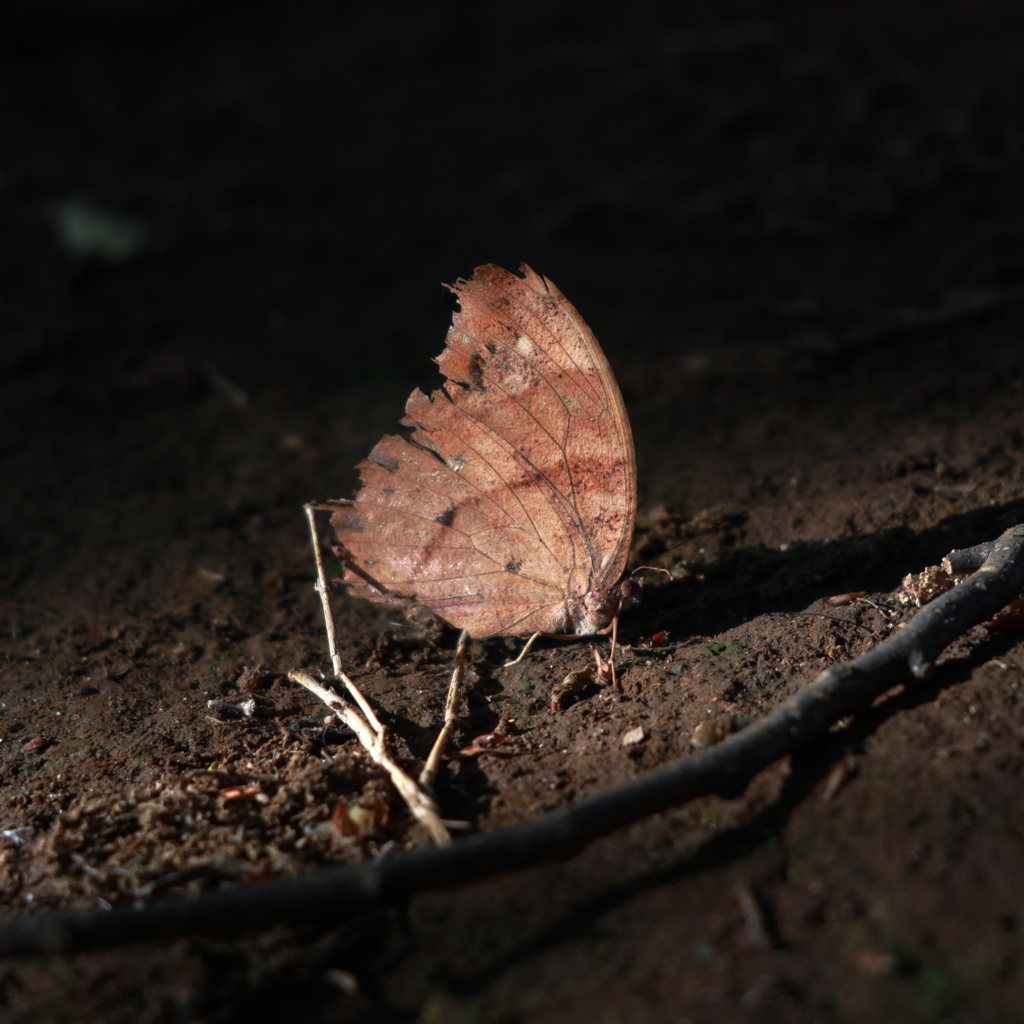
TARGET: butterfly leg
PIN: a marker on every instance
(451, 711)
(604, 671)
(615, 639)
(524, 651)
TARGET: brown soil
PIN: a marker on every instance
(798, 235)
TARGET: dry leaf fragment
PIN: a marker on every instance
(713, 731)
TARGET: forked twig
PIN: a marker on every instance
(325, 595)
(421, 805)
(364, 722)
(331, 895)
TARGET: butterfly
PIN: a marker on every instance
(507, 507)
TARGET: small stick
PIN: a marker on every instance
(364, 706)
(367, 726)
(325, 596)
(323, 590)
(421, 805)
(451, 709)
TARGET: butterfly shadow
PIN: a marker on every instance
(810, 767)
(746, 581)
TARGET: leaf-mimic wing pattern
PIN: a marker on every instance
(508, 509)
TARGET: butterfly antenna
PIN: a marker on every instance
(652, 568)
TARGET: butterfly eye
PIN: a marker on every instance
(631, 590)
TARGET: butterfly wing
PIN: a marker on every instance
(515, 491)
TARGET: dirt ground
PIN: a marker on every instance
(797, 232)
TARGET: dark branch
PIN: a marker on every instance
(965, 560)
(334, 894)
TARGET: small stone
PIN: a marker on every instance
(631, 737)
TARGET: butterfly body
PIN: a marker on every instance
(508, 508)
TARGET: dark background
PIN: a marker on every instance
(307, 176)
(695, 177)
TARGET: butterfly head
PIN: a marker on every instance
(594, 611)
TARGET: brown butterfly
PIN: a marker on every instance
(508, 508)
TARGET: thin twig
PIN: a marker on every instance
(421, 805)
(451, 714)
(325, 595)
(365, 725)
(364, 707)
(323, 589)
(725, 769)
